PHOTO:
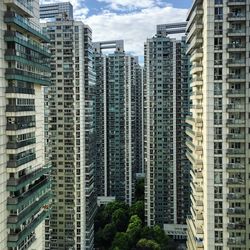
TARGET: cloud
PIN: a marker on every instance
(134, 28)
(131, 4)
(80, 9)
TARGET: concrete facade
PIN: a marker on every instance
(25, 185)
(166, 105)
(71, 133)
(218, 146)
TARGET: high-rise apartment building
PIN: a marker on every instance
(166, 105)
(71, 134)
(25, 185)
(218, 38)
(52, 10)
(117, 86)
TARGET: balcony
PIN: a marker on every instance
(25, 199)
(235, 181)
(197, 95)
(236, 16)
(20, 75)
(12, 36)
(236, 210)
(23, 6)
(236, 78)
(235, 122)
(15, 184)
(20, 144)
(18, 56)
(18, 126)
(235, 92)
(236, 241)
(18, 90)
(14, 108)
(14, 239)
(236, 32)
(232, 107)
(233, 62)
(236, 46)
(196, 68)
(236, 136)
(17, 20)
(238, 225)
(197, 55)
(198, 108)
(236, 196)
(235, 166)
(18, 162)
(197, 81)
(236, 2)
(15, 221)
(235, 151)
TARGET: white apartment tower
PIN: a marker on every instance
(118, 121)
(166, 105)
(71, 131)
(24, 182)
(218, 146)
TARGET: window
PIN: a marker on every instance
(218, 13)
(218, 28)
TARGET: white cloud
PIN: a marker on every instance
(133, 27)
(130, 4)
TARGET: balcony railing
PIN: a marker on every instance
(18, 162)
(14, 184)
(235, 181)
(12, 36)
(21, 126)
(235, 166)
(236, 46)
(235, 151)
(235, 196)
(13, 108)
(232, 121)
(16, 74)
(12, 17)
(236, 77)
(14, 239)
(19, 144)
(236, 210)
(236, 1)
(235, 241)
(235, 91)
(236, 61)
(236, 31)
(16, 55)
(235, 136)
(12, 89)
(238, 225)
(15, 221)
(233, 106)
(236, 15)
(14, 203)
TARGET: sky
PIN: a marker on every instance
(130, 20)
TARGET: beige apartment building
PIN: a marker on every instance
(218, 145)
(24, 183)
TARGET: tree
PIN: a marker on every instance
(121, 242)
(137, 209)
(144, 244)
(109, 232)
(139, 190)
(120, 219)
(134, 228)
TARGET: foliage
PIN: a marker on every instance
(120, 227)
(144, 244)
